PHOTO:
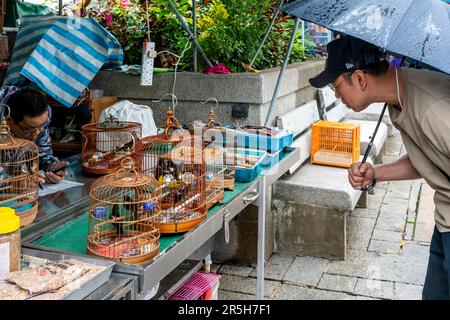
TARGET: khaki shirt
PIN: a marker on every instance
(424, 124)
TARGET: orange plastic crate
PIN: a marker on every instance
(335, 143)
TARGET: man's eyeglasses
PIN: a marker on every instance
(333, 86)
(29, 131)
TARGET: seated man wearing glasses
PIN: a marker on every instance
(29, 119)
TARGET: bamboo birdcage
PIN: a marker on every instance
(19, 170)
(122, 212)
(107, 143)
(176, 159)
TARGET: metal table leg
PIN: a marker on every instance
(261, 237)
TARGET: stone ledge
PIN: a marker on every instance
(318, 185)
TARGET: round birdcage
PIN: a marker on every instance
(107, 143)
(220, 145)
(176, 160)
(122, 212)
(19, 170)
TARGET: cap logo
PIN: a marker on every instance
(349, 65)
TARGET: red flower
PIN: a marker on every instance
(108, 19)
(124, 3)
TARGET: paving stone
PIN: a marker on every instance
(409, 231)
(373, 265)
(381, 185)
(375, 288)
(292, 292)
(230, 295)
(384, 235)
(236, 270)
(386, 247)
(364, 213)
(390, 221)
(399, 193)
(359, 232)
(404, 291)
(375, 202)
(306, 271)
(247, 285)
(337, 283)
(413, 249)
(425, 215)
(276, 267)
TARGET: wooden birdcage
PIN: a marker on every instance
(220, 145)
(19, 170)
(122, 212)
(176, 160)
(107, 143)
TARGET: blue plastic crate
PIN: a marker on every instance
(262, 142)
(272, 158)
(248, 174)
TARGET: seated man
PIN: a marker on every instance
(29, 119)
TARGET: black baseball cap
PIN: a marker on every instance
(346, 54)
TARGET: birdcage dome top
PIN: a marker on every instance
(126, 179)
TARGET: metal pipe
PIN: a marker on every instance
(283, 68)
(194, 31)
(193, 39)
(267, 33)
(261, 237)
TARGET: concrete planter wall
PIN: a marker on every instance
(254, 90)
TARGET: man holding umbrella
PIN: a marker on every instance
(419, 106)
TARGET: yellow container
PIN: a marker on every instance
(9, 241)
(335, 143)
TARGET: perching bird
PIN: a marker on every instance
(115, 214)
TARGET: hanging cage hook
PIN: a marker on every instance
(174, 99)
(211, 120)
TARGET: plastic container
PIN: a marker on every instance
(248, 174)
(9, 241)
(262, 142)
(272, 158)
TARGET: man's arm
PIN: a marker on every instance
(402, 169)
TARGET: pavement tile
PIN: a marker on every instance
(359, 232)
(380, 266)
(276, 267)
(384, 235)
(375, 288)
(292, 292)
(247, 285)
(306, 271)
(386, 247)
(236, 270)
(337, 283)
(404, 291)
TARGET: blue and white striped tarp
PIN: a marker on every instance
(62, 55)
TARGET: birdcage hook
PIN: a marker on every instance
(211, 120)
(174, 100)
(4, 126)
(127, 165)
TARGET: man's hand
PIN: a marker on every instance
(57, 176)
(360, 177)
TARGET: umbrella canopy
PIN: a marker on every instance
(418, 29)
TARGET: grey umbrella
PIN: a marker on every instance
(416, 29)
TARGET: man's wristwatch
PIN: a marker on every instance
(370, 186)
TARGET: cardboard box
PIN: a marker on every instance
(99, 104)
